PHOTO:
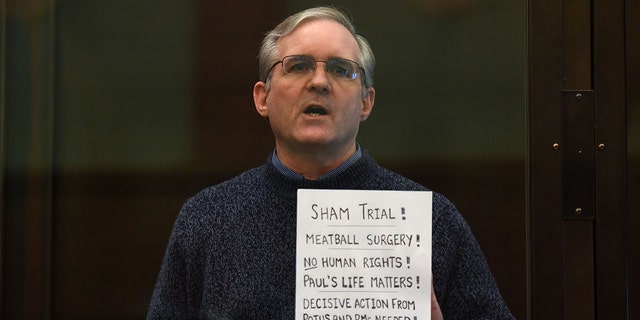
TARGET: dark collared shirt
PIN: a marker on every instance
(296, 176)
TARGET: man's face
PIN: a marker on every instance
(315, 110)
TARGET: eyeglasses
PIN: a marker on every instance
(337, 67)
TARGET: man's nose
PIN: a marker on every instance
(319, 78)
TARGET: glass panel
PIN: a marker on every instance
(124, 130)
(450, 113)
(26, 154)
(154, 103)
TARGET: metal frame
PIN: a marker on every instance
(577, 160)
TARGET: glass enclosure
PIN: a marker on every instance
(113, 113)
(153, 102)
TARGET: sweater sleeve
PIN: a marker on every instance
(174, 296)
(463, 283)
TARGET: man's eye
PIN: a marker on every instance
(341, 70)
(298, 67)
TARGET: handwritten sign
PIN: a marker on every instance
(363, 255)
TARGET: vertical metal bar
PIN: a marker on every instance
(578, 168)
(632, 79)
(611, 155)
(544, 136)
(578, 156)
(579, 270)
(561, 160)
(576, 44)
(594, 235)
(3, 40)
(578, 204)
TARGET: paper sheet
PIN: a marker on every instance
(363, 255)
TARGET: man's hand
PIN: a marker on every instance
(436, 313)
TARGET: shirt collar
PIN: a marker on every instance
(296, 176)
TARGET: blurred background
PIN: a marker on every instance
(138, 104)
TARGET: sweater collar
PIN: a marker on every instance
(352, 177)
(335, 172)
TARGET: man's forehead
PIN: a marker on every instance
(324, 37)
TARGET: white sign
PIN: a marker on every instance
(363, 255)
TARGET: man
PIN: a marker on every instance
(232, 251)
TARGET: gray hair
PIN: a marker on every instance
(269, 50)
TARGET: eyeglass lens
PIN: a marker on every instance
(339, 68)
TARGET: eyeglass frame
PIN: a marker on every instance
(362, 76)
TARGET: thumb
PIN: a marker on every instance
(436, 313)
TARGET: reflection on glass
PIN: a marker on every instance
(450, 113)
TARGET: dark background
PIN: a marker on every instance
(117, 111)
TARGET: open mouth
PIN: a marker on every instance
(315, 111)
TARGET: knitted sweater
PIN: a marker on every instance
(231, 254)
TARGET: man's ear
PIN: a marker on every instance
(260, 94)
(367, 103)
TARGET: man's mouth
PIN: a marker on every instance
(315, 111)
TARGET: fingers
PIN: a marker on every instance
(436, 313)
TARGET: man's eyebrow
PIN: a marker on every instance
(342, 58)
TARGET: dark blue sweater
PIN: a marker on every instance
(232, 251)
